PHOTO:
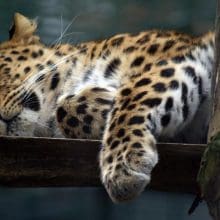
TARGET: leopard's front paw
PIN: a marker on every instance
(126, 174)
(84, 115)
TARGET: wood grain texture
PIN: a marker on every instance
(214, 124)
(40, 162)
(212, 190)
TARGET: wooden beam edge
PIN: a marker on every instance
(44, 162)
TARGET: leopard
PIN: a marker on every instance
(129, 91)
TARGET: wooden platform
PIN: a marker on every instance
(43, 162)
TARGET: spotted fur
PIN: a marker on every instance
(128, 90)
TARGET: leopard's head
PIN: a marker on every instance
(20, 101)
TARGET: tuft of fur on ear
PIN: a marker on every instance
(22, 32)
(22, 27)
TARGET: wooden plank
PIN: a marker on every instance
(42, 162)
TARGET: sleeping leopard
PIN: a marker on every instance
(129, 90)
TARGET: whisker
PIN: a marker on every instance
(32, 79)
(30, 84)
(61, 25)
(58, 41)
(43, 125)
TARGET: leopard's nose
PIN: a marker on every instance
(7, 120)
(2, 119)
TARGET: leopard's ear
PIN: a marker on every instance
(23, 29)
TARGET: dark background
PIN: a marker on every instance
(92, 19)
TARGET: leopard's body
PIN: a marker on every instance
(128, 90)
